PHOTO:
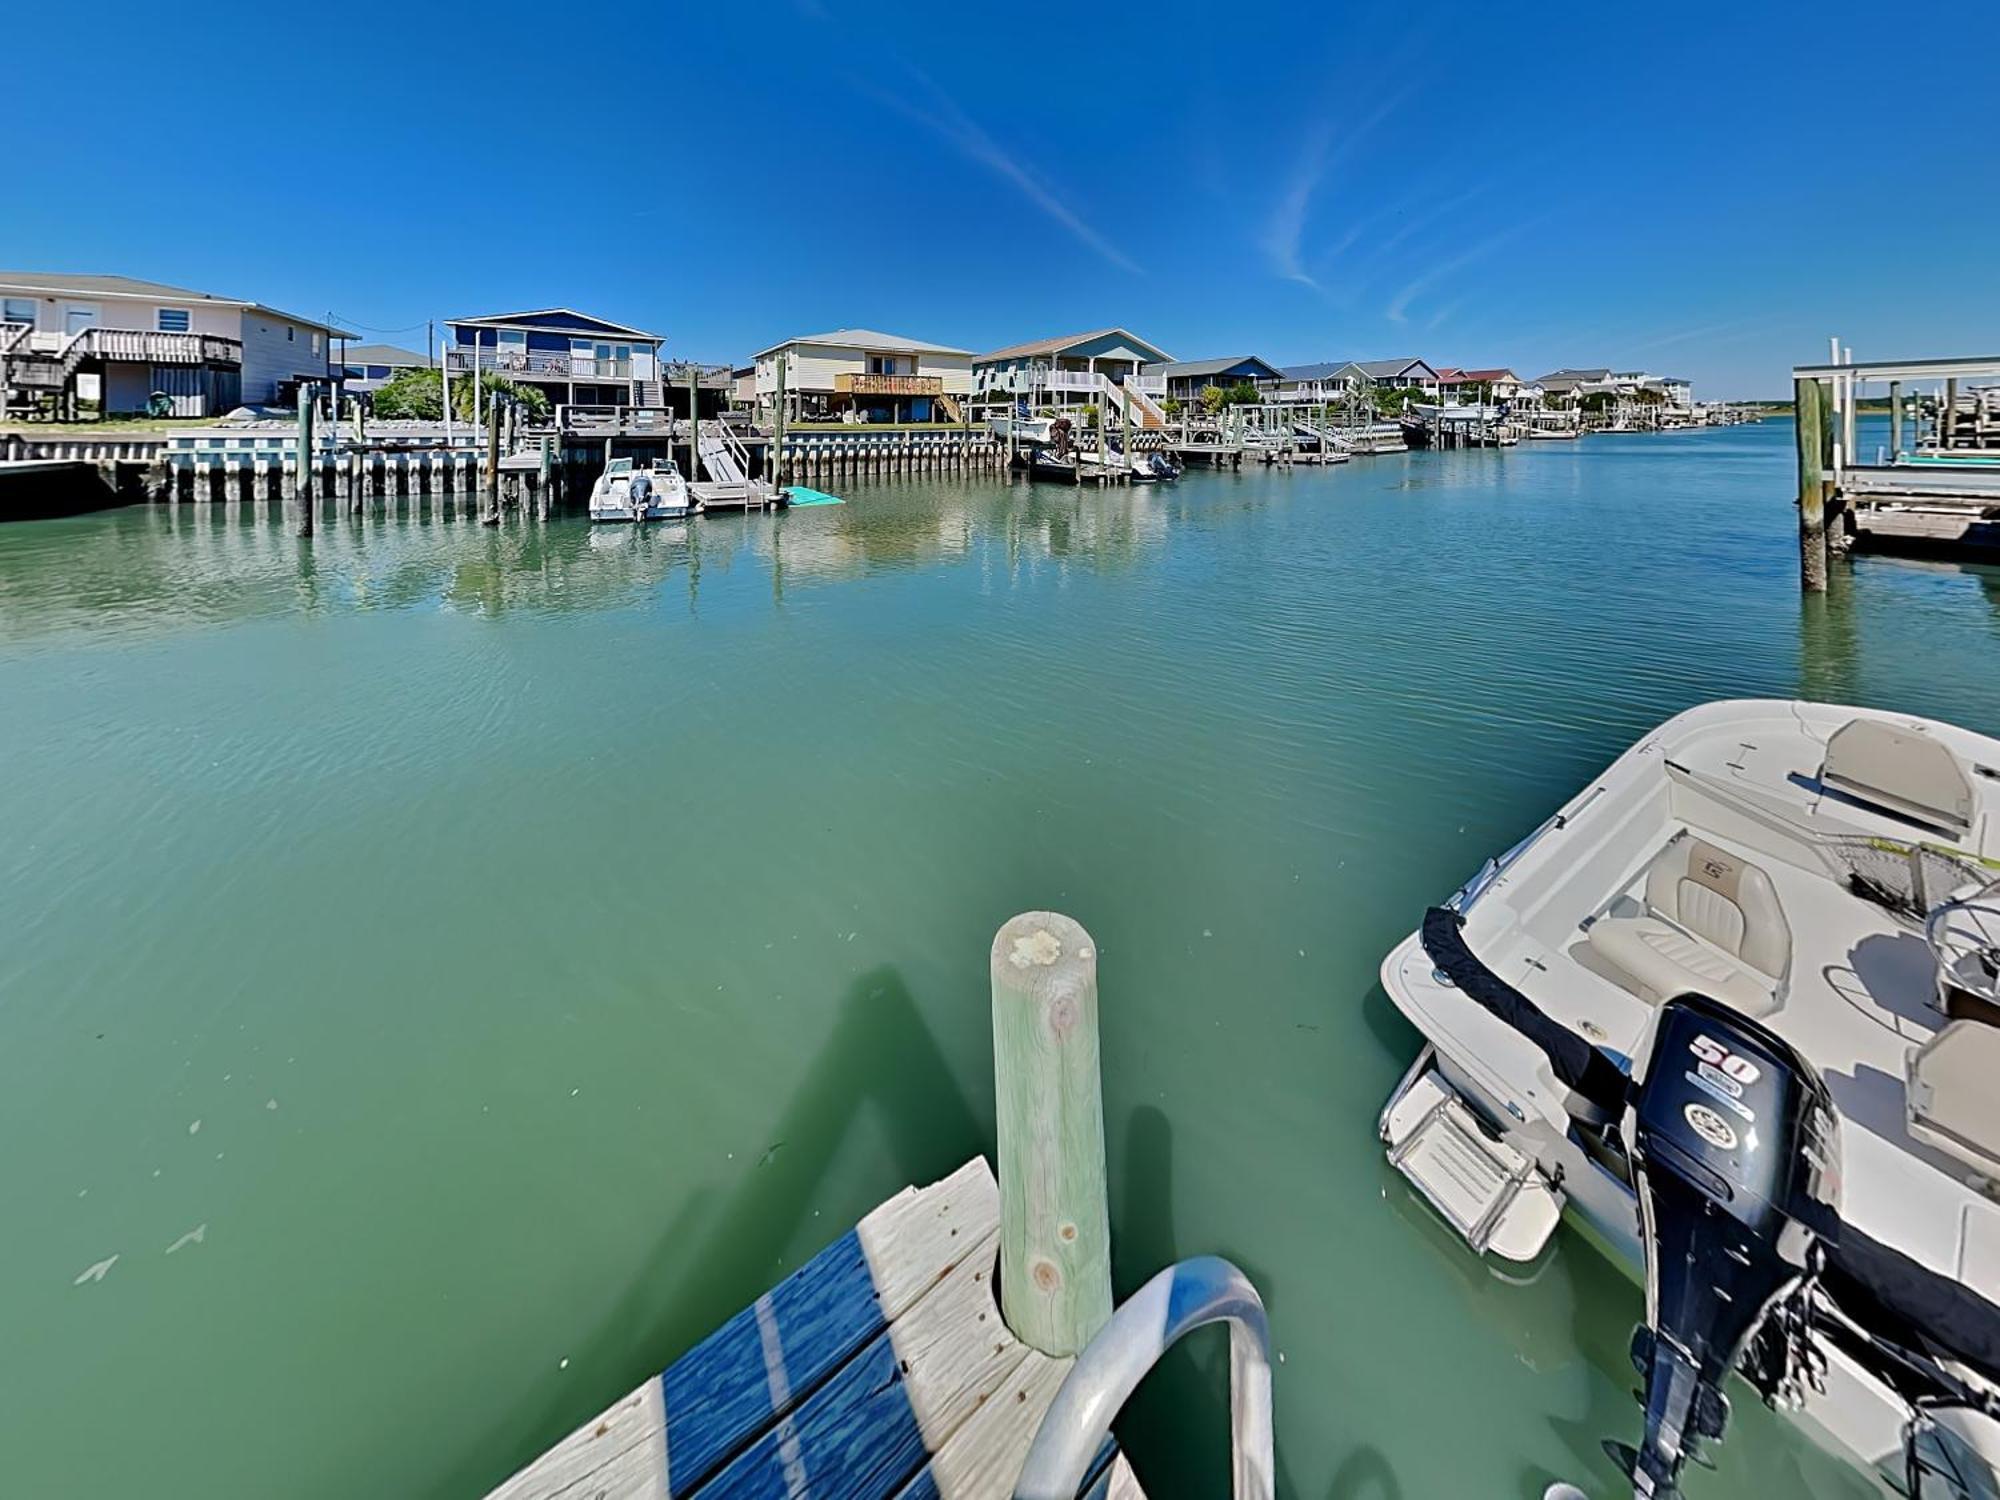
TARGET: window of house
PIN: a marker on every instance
(17, 309)
(291, 334)
(171, 320)
(315, 343)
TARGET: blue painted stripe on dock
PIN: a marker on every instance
(855, 1438)
(760, 1364)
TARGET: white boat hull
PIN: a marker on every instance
(1747, 774)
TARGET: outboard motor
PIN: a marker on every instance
(1733, 1141)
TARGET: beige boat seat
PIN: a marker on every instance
(1954, 1095)
(1712, 924)
(1900, 770)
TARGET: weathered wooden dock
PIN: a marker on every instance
(882, 1367)
(1932, 490)
(959, 1343)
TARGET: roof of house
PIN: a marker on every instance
(384, 354)
(1322, 371)
(559, 318)
(1568, 376)
(1066, 341)
(1194, 369)
(1388, 369)
(865, 338)
(89, 284)
(1450, 372)
(1485, 377)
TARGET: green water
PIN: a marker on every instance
(555, 936)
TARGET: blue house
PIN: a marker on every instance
(1186, 379)
(575, 359)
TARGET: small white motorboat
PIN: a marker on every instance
(1736, 1007)
(625, 493)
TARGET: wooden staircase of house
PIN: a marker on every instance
(650, 393)
(951, 407)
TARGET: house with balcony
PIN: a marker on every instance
(861, 375)
(1105, 369)
(573, 358)
(72, 340)
(1401, 375)
(1495, 387)
(1328, 383)
(1186, 379)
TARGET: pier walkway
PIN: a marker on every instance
(882, 1368)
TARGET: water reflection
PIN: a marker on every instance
(217, 563)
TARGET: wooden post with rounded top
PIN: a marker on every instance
(1812, 498)
(1055, 1231)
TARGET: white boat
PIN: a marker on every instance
(611, 497)
(1736, 1007)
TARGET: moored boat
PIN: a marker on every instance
(1736, 1007)
(625, 493)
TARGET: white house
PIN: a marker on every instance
(117, 340)
(1105, 368)
(861, 375)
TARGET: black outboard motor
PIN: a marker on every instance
(1733, 1140)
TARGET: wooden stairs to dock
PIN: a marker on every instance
(880, 1370)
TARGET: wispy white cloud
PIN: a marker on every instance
(1283, 237)
(1399, 306)
(1287, 224)
(960, 131)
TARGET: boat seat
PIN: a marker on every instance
(1952, 1099)
(1712, 924)
(1900, 770)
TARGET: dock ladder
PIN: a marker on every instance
(1182, 1298)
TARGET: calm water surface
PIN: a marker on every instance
(507, 954)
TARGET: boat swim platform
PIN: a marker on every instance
(879, 1370)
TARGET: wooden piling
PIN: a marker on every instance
(777, 474)
(1811, 422)
(694, 425)
(1055, 1234)
(492, 516)
(304, 466)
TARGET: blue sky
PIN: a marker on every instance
(1702, 191)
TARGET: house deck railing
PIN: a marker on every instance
(537, 364)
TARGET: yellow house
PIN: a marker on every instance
(860, 375)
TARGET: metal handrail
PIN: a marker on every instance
(1184, 1297)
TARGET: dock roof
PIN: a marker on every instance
(1195, 368)
(1066, 342)
(92, 284)
(865, 338)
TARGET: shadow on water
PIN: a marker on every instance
(881, 1060)
(1182, 1407)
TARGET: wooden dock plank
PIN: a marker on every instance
(983, 1457)
(715, 1400)
(855, 1437)
(621, 1451)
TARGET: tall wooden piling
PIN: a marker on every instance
(492, 516)
(777, 474)
(694, 425)
(1055, 1232)
(303, 468)
(1811, 421)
